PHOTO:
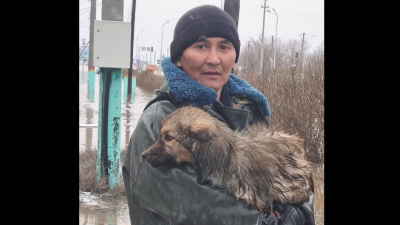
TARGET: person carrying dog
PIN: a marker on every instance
(204, 51)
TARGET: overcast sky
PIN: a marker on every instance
(294, 18)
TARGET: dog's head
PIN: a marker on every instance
(178, 135)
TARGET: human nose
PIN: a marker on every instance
(213, 57)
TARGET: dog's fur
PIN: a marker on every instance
(258, 165)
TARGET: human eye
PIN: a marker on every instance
(200, 46)
(224, 47)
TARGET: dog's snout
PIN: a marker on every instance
(144, 155)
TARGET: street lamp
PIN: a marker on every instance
(276, 35)
(162, 27)
(137, 43)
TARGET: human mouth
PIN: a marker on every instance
(211, 72)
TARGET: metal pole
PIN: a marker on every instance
(108, 153)
(91, 35)
(132, 46)
(302, 45)
(162, 28)
(276, 37)
(272, 44)
(137, 42)
(262, 38)
(302, 58)
(232, 7)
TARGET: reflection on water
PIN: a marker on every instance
(115, 211)
(131, 109)
(109, 211)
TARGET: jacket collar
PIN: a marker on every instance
(188, 91)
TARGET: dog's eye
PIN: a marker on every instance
(168, 138)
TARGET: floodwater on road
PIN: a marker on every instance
(131, 109)
(96, 210)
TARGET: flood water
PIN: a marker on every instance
(114, 211)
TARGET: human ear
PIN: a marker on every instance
(178, 63)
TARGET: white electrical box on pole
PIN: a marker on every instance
(111, 41)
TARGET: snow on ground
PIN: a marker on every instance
(88, 198)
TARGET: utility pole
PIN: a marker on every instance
(137, 42)
(248, 56)
(272, 44)
(161, 55)
(302, 53)
(162, 32)
(262, 38)
(276, 36)
(108, 152)
(132, 46)
(91, 71)
(232, 7)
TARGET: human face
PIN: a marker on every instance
(209, 62)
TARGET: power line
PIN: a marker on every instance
(85, 12)
(154, 28)
(130, 11)
(153, 20)
(89, 7)
(299, 17)
(316, 14)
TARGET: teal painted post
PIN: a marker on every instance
(91, 75)
(108, 154)
(114, 126)
(125, 88)
(98, 158)
(133, 85)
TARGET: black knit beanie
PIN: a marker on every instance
(203, 22)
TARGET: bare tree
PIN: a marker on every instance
(297, 104)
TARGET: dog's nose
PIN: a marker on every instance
(144, 154)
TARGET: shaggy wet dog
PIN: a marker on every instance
(258, 164)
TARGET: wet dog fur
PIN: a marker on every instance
(258, 164)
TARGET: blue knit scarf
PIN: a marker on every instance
(187, 90)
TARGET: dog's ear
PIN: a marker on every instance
(201, 131)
